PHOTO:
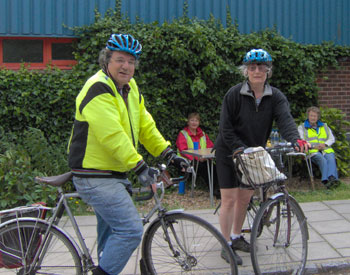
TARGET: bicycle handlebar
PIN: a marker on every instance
(281, 148)
(161, 178)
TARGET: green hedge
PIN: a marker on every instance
(187, 65)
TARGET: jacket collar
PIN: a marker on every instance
(245, 90)
(308, 125)
(198, 134)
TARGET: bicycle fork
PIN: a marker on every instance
(188, 261)
(282, 211)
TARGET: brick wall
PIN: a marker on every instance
(334, 87)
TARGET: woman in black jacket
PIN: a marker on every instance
(248, 111)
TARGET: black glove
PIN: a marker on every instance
(146, 175)
(175, 160)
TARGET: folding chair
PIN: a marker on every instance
(308, 162)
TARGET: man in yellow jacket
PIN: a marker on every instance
(321, 137)
(110, 121)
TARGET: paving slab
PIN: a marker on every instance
(328, 246)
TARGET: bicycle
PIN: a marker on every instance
(174, 242)
(276, 223)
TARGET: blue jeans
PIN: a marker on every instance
(327, 165)
(119, 226)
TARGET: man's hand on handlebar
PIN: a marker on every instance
(173, 159)
(146, 175)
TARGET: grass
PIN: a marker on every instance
(342, 192)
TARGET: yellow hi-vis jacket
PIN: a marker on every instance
(311, 135)
(106, 132)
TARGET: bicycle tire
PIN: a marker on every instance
(275, 257)
(197, 250)
(61, 257)
(252, 210)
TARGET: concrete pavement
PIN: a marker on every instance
(328, 247)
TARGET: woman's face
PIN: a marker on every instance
(193, 123)
(313, 117)
(257, 73)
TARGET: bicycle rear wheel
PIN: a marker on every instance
(281, 247)
(19, 243)
(194, 247)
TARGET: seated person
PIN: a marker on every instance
(193, 133)
(321, 138)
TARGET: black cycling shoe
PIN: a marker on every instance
(240, 244)
(235, 255)
(98, 271)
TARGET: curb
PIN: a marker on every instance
(327, 268)
(336, 267)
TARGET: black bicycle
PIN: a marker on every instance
(276, 223)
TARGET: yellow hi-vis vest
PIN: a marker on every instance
(202, 141)
(321, 137)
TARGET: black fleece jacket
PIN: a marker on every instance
(244, 123)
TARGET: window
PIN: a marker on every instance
(36, 53)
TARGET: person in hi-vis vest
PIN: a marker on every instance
(321, 137)
(193, 133)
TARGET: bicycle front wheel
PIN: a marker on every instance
(181, 243)
(19, 244)
(281, 246)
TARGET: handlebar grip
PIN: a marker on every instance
(147, 196)
(161, 178)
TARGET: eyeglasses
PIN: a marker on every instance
(122, 61)
(261, 68)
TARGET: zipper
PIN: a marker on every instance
(132, 131)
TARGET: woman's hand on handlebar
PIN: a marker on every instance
(302, 146)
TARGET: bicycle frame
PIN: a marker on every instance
(83, 259)
(53, 221)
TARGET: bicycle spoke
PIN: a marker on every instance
(282, 246)
(197, 248)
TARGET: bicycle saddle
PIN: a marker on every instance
(55, 180)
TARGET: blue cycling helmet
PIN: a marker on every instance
(124, 43)
(257, 56)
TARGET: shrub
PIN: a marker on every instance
(21, 162)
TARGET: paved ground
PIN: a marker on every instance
(329, 243)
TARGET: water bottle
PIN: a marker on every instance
(182, 186)
(271, 138)
(276, 138)
(282, 141)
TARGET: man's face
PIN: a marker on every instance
(313, 117)
(122, 67)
